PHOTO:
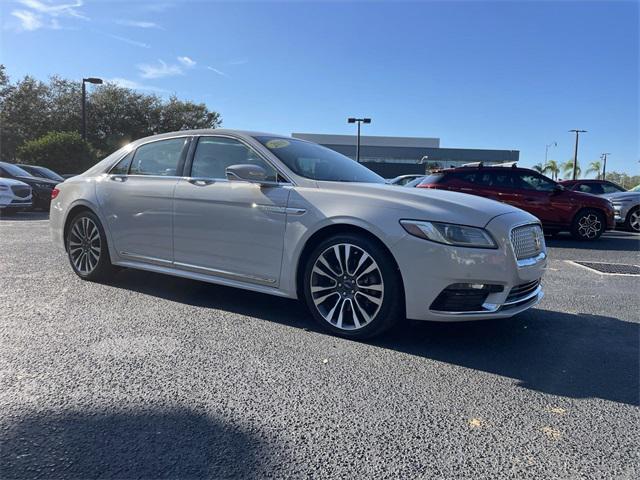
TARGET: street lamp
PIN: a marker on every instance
(604, 164)
(358, 121)
(575, 152)
(546, 151)
(97, 81)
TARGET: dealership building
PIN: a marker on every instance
(392, 156)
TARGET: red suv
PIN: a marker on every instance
(585, 216)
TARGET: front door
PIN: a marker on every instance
(136, 199)
(227, 228)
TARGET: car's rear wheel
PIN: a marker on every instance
(588, 224)
(632, 221)
(87, 247)
(352, 287)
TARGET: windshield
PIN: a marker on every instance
(14, 171)
(47, 173)
(316, 162)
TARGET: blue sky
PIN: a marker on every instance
(477, 74)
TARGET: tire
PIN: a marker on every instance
(588, 224)
(85, 240)
(632, 222)
(371, 282)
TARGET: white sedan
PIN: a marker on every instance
(14, 195)
(291, 218)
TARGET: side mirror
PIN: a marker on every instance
(248, 173)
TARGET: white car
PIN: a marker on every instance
(287, 217)
(14, 195)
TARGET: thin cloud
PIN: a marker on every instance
(130, 41)
(238, 61)
(133, 85)
(138, 24)
(38, 14)
(29, 21)
(159, 70)
(187, 62)
(219, 72)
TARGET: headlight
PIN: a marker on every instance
(450, 234)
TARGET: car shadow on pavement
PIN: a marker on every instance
(618, 241)
(23, 216)
(571, 355)
(151, 444)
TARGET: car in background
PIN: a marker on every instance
(402, 180)
(592, 186)
(627, 209)
(415, 182)
(15, 196)
(42, 172)
(41, 187)
(635, 189)
(291, 218)
(585, 216)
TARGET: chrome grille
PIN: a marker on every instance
(20, 191)
(527, 241)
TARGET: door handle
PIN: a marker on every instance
(118, 178)
(200, 182)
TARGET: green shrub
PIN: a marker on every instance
(63, 152)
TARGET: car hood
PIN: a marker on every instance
(623, 196)
(428, 204)
(43, 181)
(11, 181)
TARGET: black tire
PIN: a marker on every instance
(588, 224)
(85, 245)
(631, 223)
(359, 313)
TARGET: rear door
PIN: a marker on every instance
(499, 184)
(136, 199)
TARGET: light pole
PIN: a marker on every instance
(575, 152)
(604, 164)
(546, 151)
(358, 121)
(97, 81)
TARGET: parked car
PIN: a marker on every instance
(402, 180)
(594, 187)
(627, 209)
(41, 187)
(14, 196)
(294, 219)
(42, 172)
(585, 216)
(415, 182)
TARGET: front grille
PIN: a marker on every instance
(521, 291)
(20, 191)
(527, 241)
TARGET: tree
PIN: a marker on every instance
(538, 167)
(553, 168)
(596, 167)
(63, 152)
(622, 179)
(567, 168)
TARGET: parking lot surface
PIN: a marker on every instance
(158, 377)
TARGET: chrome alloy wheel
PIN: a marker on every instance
(84, 245)
(347, 286)
(634, 221)
(589, 226)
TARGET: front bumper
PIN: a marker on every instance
(428, 268)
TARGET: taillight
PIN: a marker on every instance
(54, 193)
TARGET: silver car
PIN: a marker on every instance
(290, 218)
(626, 206)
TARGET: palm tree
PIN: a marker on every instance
(538, 167)
(567, 168)
(553, 168)
(595, 167)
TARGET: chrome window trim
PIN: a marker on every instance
(246, 144)
(108, 172)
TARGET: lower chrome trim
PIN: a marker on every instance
(225, 273)
(146, 258)
(527, 262)
(537, 294)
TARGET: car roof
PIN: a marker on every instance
(476, 168)
(211, 131)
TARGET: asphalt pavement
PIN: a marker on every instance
(151, 376)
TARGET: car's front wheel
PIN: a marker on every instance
(87, 247)
(588, 224)
(632, 221)
(352, 286)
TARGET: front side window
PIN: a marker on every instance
(530, 181)
(592, 188)
(214, 154)
(316, 162)
(158, 158)
(611, 188)
(122, 167)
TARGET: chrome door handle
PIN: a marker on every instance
(118, 178)
(200, 182)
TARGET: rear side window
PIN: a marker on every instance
(611, 188)
(122, 167)
(159, 158)
(497, 179)
(592, 188)
(530, 181)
